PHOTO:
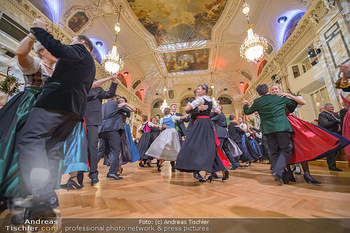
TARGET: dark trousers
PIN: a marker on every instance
(104, 151)
(331, 160)
(280, 145)
(115, 144)
(265, 147)
(227, 152)
(39, 149)
(92, 134)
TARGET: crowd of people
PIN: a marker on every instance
(58, 125)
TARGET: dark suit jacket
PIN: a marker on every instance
(113, 117)
(68, 87)
(272, 111)
(327, 121)
(220, 124)
(93, 115)
(235, 133)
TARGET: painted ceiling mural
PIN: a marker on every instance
(78, 21)
(174, 21)
(187, 60)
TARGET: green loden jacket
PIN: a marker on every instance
(272, 111)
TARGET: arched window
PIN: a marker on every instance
(96, 55)
(134, 86)
(185, 101)
(261, 66)
(157, 104)
(245, 74)
(122, 79)
(138, 112)
(292, 25)
(224, 100)
(138, 94)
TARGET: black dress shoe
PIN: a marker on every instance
(311, 180)
(335, 169)
(197, 175)
(72, 183)
(226, 175)
(215, 176)
(278, 179)
(292, 179)
(94, 181)
(114, 176)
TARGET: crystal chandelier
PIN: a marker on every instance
(113, 63)
(164, 105)
(254, 46)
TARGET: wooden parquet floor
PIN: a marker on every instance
(250, 192)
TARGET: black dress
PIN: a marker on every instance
(155, 131)
(145, 142)
(199, 151)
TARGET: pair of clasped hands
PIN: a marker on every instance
(41, 23)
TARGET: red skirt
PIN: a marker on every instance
(309, 141)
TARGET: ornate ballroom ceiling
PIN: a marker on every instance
(178, 43)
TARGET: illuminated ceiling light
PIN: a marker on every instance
(164, 105)
(113, 63)
(245, 8)
(212, 85)
(117, 27)
(126, 73)
(282, 19)
(99, 43)
(254, 46)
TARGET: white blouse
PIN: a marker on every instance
(243, 126)
(34, 67)
(200, 100)
(150, 124)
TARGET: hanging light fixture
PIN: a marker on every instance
(164, 105)
(113, 63)
(254, 46)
